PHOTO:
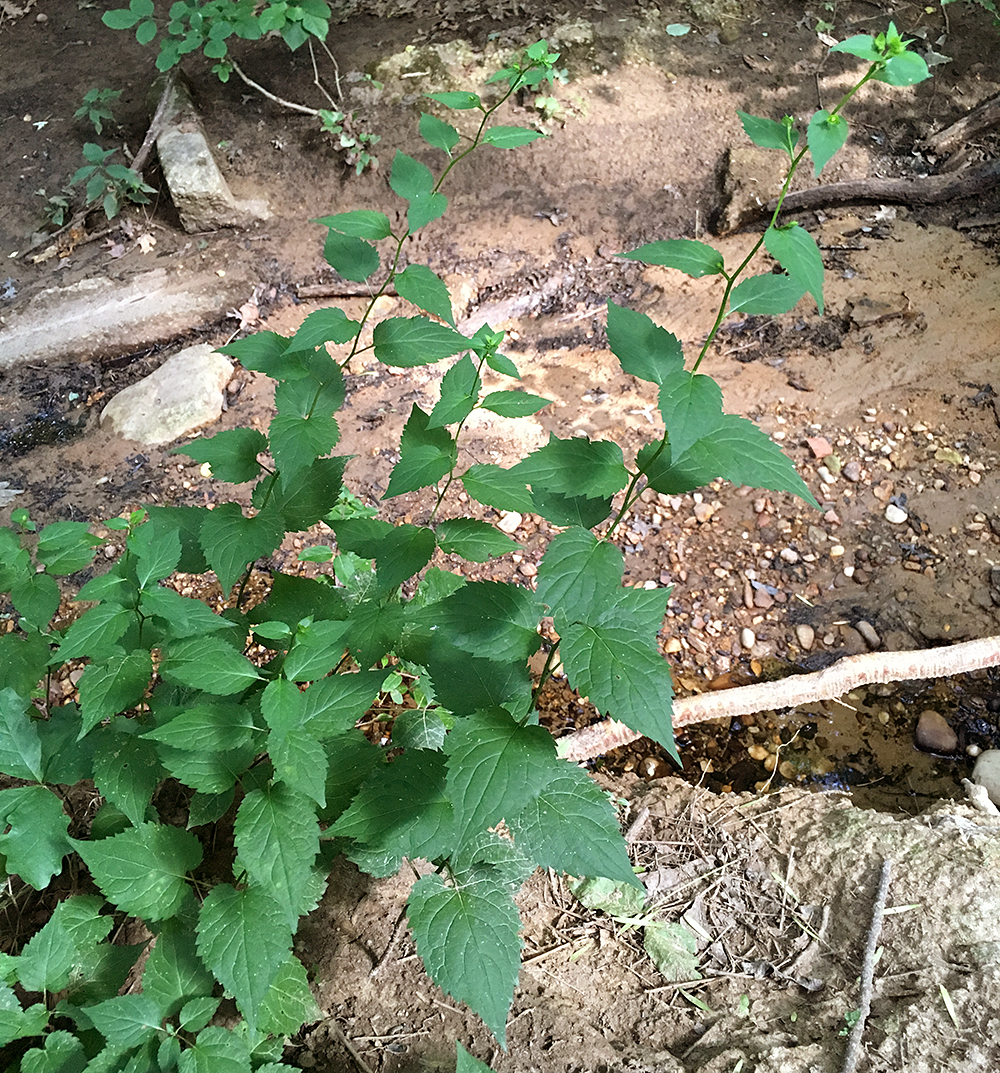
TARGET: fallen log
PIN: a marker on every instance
(834, 681)
(931, 189)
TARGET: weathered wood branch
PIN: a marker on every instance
(836, 680)
(931, 189)
(980, 119)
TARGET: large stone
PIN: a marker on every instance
(199, 191)
(183, 395)
(100, 316)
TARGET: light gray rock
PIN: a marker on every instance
(987, 773)
(100, 316)
(199, 191)
(183, 395)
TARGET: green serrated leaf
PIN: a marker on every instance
(20, 745)
(174, 974)
(350, 257)
(796, 251)
(144, 869)
(826, 134)
(768, 134)
(95, 632)
(18, 1023)
(414, 181)
(903, 69)
(244, 938)
(277, 838)
(113, 686)
(425, 455)
(295, 506)
(127, 1020)
(691, 407)
(375, 629)
(23, 662)
(579, 575)
(231, 454)
(473, 540)
(402, 810)
(334, 704)
(437, 133)
(231, 540)
(127, 770)
(181, 616)
(487, 617)
(317, 650)
(36, 598)
(74, 928)
(216, 1049)
(513, 403)
(425, 289)
(196, 1013)
(263, 352)
(860, 45)
(496, 766)
(493, 486)
(468, 941)
(353, 757)
(289, 1004)
(695, 259)
(207, 663)
(510, 137)
(738, 451)
(643, 348)
(361, 223)
(320, 327)
(205, 727)
(765, 295)
(460, 388)
(405, 342)
(419, 728)
(673, 949)
(456, 99)
(572, 827)
(34, 839)
(622, 672)
(465, 684)
(158, 553)
(575, 467)
(65, 547)
(62, 1053)
(206, 808)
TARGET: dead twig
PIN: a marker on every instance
(338, 1032)
(840, 678)
(271, 96)
(868, 972)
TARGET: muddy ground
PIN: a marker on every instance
(889, 400)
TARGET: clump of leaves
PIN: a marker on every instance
(57, 206)
(267, 758)
(109, 184)
(97, 107)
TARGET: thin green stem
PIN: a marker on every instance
(542, 679)
(630, 493)
(731, 278)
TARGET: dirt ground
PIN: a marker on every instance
(885, 401)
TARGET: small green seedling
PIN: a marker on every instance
(110, 184)
(96, 107)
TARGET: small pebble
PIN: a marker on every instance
(527, 569)
(934, 735)
(895, 515)
(789, 555)
(747, 638)
(819, 445)
(851, 472)
(805, 635)
(867, 631)
(703, 511)
(825, 475)
(510, 520)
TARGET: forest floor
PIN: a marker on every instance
(885, 401)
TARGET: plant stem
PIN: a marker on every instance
(542, 678)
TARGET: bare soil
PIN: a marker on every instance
(897, 378)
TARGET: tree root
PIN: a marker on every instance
(931, 189)
(836, 680)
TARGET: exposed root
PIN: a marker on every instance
(836, 680)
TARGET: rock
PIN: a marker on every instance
(867, 631)
(816, 535)
(825, 475)
(200, 194)
(762, 599)
(183, 395)
(851, 472)
(788, 555)
(703, 511)
(820, 446)
(934, 735)
(747, 638)
(895, 515)
(527, 569)
(100, 316)
(510, 520)
(986, 773)
(805, 635)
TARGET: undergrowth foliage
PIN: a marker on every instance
(266, 757)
